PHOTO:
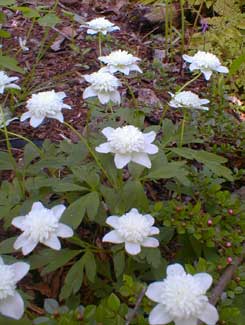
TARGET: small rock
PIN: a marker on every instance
(148, 97)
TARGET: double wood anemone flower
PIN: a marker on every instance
(133, 229)
(187, 99)
(100, 25)
(41, 225)
(45, 104)
(11, 302)
(206, 62)
(104, 86)
(128, 143)
(120, 61)
(7, 82)
(181, 298)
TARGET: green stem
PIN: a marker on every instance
(182, 26)
(189, 82)
(90, 150)
(99, 43)
(164, 113)
(182, 129)
(131, 93)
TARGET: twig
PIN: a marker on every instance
(133, 313)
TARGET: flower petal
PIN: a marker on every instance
(159, 316)
(150, 219)
(150, 242)
(12, 306)
(104, 98)
(193, 66)
(175, 269)
(115, 97)
(103, 148)
(18, 222)
(209, 315)
(204, 101)
(121, 160)
(222, 69)
(154, 231)
(20, 270)
(92, 31)
(20, 241)
(28, 246)
(58, 116)
(13, 86)
(113, 221)
(141, 158)
(37, 206)
(187, 58)
(58, 210)
(89, 92)
(204, 280)
(149, 137)
(107, 131)
(36, 121)
(207, 74)
(151, 149)
(64, 231)
(113, 237)
(25, 116)
(53, 242)
(154, 291)
(132, 248)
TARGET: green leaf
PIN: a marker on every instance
(5, 161)
(133, 195)
(4, 34)
(73, 280)
(30, 153)
(119, 263)
(6, 246)
(173, 169)
(236, 64)
(90, 266)
(49, 20)
(113, 302)
(28, 12)
(63, 186)
(10, 63)
(7, 2)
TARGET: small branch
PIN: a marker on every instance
(133, 313)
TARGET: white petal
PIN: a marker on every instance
(155, 290)
(159, 316)
(150, 242)
(58, 116)
(124, 70)
(92, 31)
(222, 69)
(89, 92)
(204, 280)
(107, 131)
(132, 248)
(150, 219)
(193, 66)
(141, 158)
(18, 222)
(209, 315)
(36, 121)
(103, 148)
(189, 321)
(112, 69)
(115, 97)
(175, 269)
(114, 28)
(154, 231)
(135, 67)
(14, 86)
(20, 270)
(1, 261)
(66, 106)
(104, 32)
(28, 246)
(204, 101)
(104, 98)
(151, 149)
(61, 94)
(113, 221)
(25, 116)
(37, 206)
(11, 79)
(12, 306)
(1, 90)
(53, 242)
(20, 241)
(58, 210)
(121, 160)
(64, 231)
(113, 237)
(149, 137)
(187, 58)
(207, 74)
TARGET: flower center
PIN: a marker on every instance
(182, 297)
(44, 103)
(134, 227)
(206, 60)
(127, 139)
(7, 281)
(187, 98)
(41, 225)
(120, 58)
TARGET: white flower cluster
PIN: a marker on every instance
(100, 25)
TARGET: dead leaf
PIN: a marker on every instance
(66, 32)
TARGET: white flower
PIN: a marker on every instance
(6, 82)
(128, 143)
(206, 62)
(45, 104)
(41, 225)
(11, 303)
(22, 43)
(121, 61)
(104, 86)
(100, 25)
(181, 298)
(187, 99)
(134, 230)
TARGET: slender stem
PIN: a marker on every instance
(198, 14)
(182, 26)
(182, 129)
(189, 82)
(131, 93)
(99, 43)
(166, 27)
(90, 150)
(164, 113)
(133, 313)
